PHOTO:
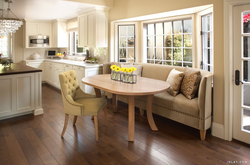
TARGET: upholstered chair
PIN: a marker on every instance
(78, 103)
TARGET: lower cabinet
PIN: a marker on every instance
(21, 93)
(37, 64)
(52, 71)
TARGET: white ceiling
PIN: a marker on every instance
(46, 9)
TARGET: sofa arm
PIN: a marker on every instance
(205, 98)
(106, 68)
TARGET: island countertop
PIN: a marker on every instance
(17, 69)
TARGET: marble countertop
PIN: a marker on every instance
(71, 62)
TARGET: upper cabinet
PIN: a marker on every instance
(93, 28)
(60, 36)
(55, 30)
(34, 28)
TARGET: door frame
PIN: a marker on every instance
(228, 66)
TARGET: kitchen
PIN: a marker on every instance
(57, 37)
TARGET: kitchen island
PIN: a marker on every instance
(21, 91)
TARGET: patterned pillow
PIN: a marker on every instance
(138, 69)
(190, 83)
(174, 79)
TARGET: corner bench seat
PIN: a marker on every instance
(195, 112)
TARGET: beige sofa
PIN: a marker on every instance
(195, 113)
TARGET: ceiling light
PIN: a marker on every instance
(9, 25)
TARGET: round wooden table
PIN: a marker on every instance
(144, 86)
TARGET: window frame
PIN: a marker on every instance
(10, 42)
(136, 47)
(204, 45)
(168, 19)
(72, 44)
(199, 37)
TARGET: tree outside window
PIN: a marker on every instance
(170, 43)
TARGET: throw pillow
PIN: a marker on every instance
(138, 69)
(190, 83)
(174, 79)
(120, 64)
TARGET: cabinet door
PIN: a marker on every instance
(91, 29)
(101, 29)
(55, 34)
(48, 70)
(59, 70)
(80, 73)
(68, 67)
(45, 29)
(82, 31)
(91, 72)
(32, 28)
(54, 75)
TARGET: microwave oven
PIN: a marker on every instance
(38, 41)
(51, 53)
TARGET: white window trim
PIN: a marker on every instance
(117, 42)
(144, 32)
(73, 46)
(198, 38)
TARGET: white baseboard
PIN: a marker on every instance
(218, 130)
(38, 112)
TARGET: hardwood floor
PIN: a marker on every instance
(36, 140)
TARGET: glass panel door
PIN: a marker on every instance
(241, 123)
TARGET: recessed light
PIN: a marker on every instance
(79, 9)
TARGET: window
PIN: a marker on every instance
(207, 42)
(170, 43)
(6, 45)
(73, 44)
(126, 40)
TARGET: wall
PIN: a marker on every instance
(18, 45)
(132, 8)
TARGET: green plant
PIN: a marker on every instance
(6, 61)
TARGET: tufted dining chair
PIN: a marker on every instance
(78, 103)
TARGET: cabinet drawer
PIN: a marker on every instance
(78, 68)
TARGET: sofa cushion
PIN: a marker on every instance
(174, 79)
(190, 83)
(178, 103)
(138, 69)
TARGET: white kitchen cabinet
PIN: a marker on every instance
(60, 35)
(53, 69)
(36, 64)
(21, 93)
(37, 28)
(93, 28)
(67, 67)
(47, 71)
(80, 73)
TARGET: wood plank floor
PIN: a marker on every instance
(36, 140)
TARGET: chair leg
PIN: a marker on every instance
(96, 127)
(105, 115)
(74, 121)
(141, 112)
(202, 135)
(65, 124)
